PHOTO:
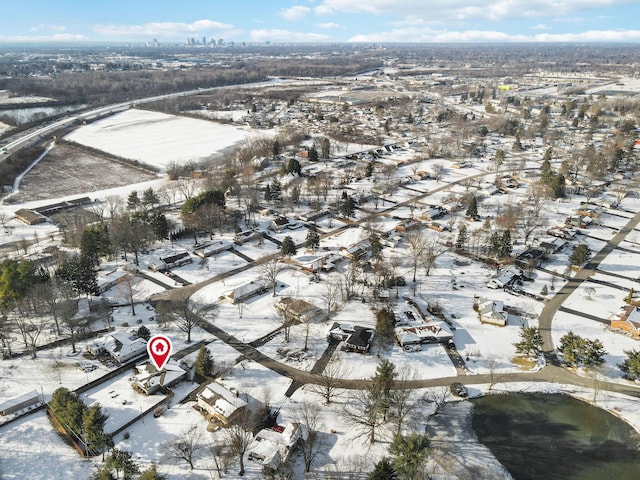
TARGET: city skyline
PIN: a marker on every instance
(378, 21)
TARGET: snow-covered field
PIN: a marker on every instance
(159, 139)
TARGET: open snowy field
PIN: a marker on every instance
(159, 139)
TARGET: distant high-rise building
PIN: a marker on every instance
(204, 41)
(155, 43)
(220, 41)
(191, 41)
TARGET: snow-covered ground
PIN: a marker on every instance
(159, 139)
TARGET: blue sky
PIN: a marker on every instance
(322, 20)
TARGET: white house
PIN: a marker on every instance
(147, 379)
(220, 404)
(274, 446)
(121, 345)
(248, 290)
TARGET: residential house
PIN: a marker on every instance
(148, 379)
(121, 345)
(21, 402)
(298, 309)
(628, 321)
(248, 290)
(355, 338)
(433, 332)
(274, 446)
(30, 217)
(531, 257)
(177, 260)
(504, 277)
(220, 404)
(208, 250)
(491, 311)
(241, 238)
(552, 246)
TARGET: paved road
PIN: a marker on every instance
(552, 373)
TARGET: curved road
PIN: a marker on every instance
(551, 373)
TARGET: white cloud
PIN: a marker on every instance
(540, 26)
(297, 12)
(48, 28)
(57, 37)
(321, 10)
(276, 35)
(162, 29)
(330, 25)
(469, 10)
(428, 35)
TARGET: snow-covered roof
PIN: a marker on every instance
(223, 401)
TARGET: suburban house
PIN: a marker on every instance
(111, 279)
(30, 217)
(531, 257)
(298, 309)
(628, 321)
(208, 250)
(147, 379)
(176, 260)
(355, 251)
(565, 232)
(241, 238)
(280, 223)
(491, 311)
(504, 277)
(247, 290)
(274, 446)
(220, 404)
(433, 332)
(21, 402)
(121, 345)
(355, 338)
(552, 246)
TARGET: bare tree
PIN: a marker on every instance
(330, 378)
(221, 457)
(332, 288)
(434, 250)
(438, 396)
(418, 246)
(73, 324)
(308, 416)
(403, 401)
(239, 439)
(181, 315)
(30, 328)
(270, 271)
(185, 447)
(125, 285)
(363, 414)
(437, 171)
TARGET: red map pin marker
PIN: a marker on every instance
(159, 348)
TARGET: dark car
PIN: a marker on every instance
(459, 390)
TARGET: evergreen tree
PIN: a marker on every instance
(629, 298)
(95, 243)
(312, 241)
(383, 471)
(267, 193)
(385, 323)
(382, 383)
(558, 185)
(150, 198)
(79, 272)
(133, 201)
(531, 343)
(68, 410)
(631, 364)
(594, 353)
(103, 473)
(579, 255)
(369, 169)
(204, 363)
(313, 154)
(499, 158)
(152, 474)
(376, 246)
(347, 206)
(462, 236)
(294, 166)
(276, 149)
(472, 207)
(276, 190)
(144, 333)
(121, 461)
(288, 247)
(410, 454)
(93, 427)
(506, 245)
(325, 147)
(160, 226)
